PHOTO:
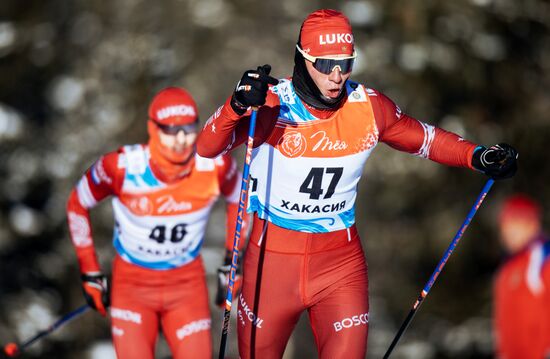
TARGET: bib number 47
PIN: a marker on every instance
(313, 184)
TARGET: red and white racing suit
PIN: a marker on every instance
(158, 275)
(304, 252)
(522, 304)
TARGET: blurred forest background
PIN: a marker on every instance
(76, 78)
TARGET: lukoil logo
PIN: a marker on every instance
(345, 38)
(249, 314)
(179, 110)
(356, 320)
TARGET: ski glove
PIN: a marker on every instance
(252, 89)
(498, 161)
(96, 291)
(223, 279)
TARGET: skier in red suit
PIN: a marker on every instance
(314, 133)
(162, 194)
(522, 285)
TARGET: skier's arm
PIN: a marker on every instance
(98, 182)
(407, 134)
(228, 127)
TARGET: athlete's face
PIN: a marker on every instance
(517, 232)
(177, 146)
(329, 85)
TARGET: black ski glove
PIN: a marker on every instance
(223, 279)
(252, 89)
(498, 161)
(96, 291)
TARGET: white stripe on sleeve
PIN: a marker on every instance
(429, 135)
(85, 196)
(533, 273)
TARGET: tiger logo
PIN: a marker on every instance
(141, 206)
(292, 144)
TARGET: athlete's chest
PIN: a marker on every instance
(192, 193)
(335, 137)
(299, 133)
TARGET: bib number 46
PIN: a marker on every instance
(176, 234)
(313, 184)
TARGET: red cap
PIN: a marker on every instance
(520, 205)
(11, 349)
(173, 106)
(326, 32)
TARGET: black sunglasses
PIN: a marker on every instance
(175, 129)
(327, 65)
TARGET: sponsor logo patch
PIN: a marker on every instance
(141, 206)
(245, 312)
(80, 230)
(328, 39)
(292, 144)
(98, 173)
(167, 204)
(193, 327)
(354, 321)
(126, 315)
(324, 142)
(179, 110)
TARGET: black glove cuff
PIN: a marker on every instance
(237, 107)
(476, 159)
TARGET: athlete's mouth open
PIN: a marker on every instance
(333, 93)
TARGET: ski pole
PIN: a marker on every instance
(237, 237)
(440, 265)
(13, 350)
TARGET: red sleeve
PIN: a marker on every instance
(407, 134)
(230, 187)
(225, 130)
(546, 308)
(99, 181)
(499, 310)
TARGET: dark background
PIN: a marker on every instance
(75, 81)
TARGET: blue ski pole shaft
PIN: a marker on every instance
(13, 349)
(63, 320)
(237, 237)
(440, 266)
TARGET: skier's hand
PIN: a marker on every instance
(96, 291)
(251, 90)
(498, 161)
(223, 280)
